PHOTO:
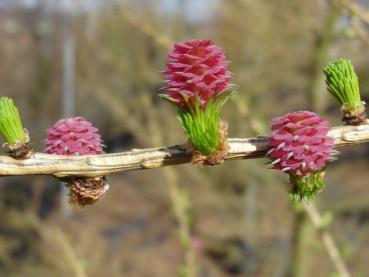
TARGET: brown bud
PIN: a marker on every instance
(355, 118)
(21, 150)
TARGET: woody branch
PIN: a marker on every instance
(138, 159)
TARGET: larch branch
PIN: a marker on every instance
(137, 159)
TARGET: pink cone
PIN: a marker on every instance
(73, 136)
(196, 67)
(299, 144)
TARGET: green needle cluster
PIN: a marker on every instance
(342, 83)
(10, 124)
(202, 124)
(202, 128)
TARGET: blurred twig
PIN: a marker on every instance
(301, 238)
(320, 59)
(352, 8)
(360, 30)
(327, 240)
(357, 15)
(145, 28)
(258, 11)
(58, 241)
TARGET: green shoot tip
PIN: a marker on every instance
(10, 123)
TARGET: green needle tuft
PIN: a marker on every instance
(342, 82)
(10, 124)
(202, 124)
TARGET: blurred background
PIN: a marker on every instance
(103, 60)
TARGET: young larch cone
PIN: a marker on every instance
(73, 136)
(77, 136)
(301, 147)
(197, 70)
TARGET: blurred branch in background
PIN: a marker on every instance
(58, 241)
(327, 239)
(324, 38)
(353, 8)
(145, 28)
(360, 29)
(358, 16)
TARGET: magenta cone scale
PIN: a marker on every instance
(197, 68)
(73, 136)
(301, 147)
